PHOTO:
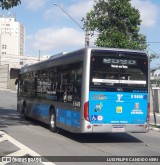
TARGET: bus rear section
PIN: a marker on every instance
(118, 92)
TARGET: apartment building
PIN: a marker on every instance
(12, 50)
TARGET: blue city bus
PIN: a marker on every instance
(91, 90)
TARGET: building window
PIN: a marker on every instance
(3, 52)
(4, 46)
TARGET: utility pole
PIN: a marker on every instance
(86, 31)
(86, 38)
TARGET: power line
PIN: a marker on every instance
(86, 31)
(153, 51)
(68, 15)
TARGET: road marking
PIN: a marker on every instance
(23, 149)
(2, 139)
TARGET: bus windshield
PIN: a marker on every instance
(119, 71)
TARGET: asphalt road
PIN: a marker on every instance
(37, 138)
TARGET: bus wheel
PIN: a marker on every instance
(52, 123)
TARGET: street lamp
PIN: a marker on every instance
(86, 31)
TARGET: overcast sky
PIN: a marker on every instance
(51, 31)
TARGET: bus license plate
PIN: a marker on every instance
(118, 129)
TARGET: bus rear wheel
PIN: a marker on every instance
(52, 121)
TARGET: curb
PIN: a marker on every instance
(154, 129)
(151, 127)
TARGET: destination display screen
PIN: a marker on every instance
(117, 71)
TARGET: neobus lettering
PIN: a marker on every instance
(118, 61)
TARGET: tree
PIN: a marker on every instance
(117, 24)
(7, 4)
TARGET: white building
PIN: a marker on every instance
(11, 36)
(12, 50)
(11, 46)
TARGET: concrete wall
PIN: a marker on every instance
(11, 84)
(4, 69)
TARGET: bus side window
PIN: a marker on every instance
(25, 86)
(75, 81)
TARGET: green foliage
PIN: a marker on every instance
(7, 4)
(117, 24)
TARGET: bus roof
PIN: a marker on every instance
(63, 57)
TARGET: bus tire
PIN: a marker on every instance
(52, 121)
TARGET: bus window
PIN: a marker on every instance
(61, 83)
(75, 81)
(118, 72)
